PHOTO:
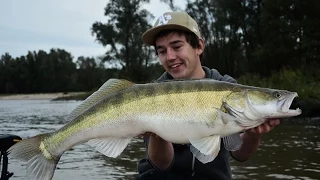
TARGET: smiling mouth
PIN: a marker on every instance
(175, 66)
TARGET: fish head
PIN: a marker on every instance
(259, 104)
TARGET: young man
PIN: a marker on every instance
(179, 46)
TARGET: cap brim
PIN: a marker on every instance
(148, 36)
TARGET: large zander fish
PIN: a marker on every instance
(199, 112)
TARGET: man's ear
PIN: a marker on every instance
(200, 49)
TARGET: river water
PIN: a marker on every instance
(290, 151)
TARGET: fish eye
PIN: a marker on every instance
(277, 94)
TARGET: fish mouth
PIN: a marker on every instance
(283, 107)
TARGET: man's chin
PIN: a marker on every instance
(178, 73)
(178, 76)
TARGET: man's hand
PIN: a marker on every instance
(147, 135)
(265, 127)
(251, 139)
(160, 152)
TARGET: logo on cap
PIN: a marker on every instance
(194, 29)
(164, 19)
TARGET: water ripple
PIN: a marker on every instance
(290, 151)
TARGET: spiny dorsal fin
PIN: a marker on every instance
(109, 87)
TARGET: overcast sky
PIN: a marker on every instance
(36, 24)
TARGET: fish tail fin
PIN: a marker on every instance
(40, 163)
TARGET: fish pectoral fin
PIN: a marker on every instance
(238, 116)
(232, 142)
(110, 146)
(235, 113)
(225, 117)
(205, 149)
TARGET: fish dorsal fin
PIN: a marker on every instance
(110, 146)
(109, 87)
(206, 149)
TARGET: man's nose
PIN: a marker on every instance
(171, 54)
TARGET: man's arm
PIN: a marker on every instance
(251, 139)
(160, 152)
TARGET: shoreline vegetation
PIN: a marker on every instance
(303, 81)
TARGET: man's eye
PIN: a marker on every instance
(177, 47)
(161, 52)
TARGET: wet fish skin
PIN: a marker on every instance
(200, 112)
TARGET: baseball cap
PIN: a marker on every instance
(168, 21)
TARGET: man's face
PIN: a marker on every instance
(178, 57)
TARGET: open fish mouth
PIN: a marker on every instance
(283, 107)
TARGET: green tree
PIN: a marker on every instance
(121, 36)
(6, 73)
(63, 70)
(91, 73)
(21, 80)
(258, 36)
(51, 72)
(290, 35)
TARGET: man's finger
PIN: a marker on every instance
(273, 122)
(263, 128)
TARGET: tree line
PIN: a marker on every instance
(259, 36)
(245, 39)
(55, 71)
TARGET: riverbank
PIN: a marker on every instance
(45, 96)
